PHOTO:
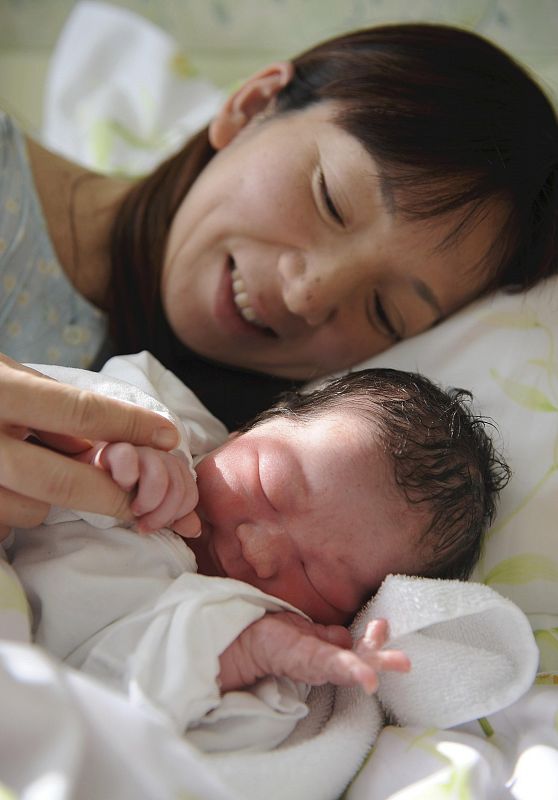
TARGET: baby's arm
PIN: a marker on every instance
(285, 644)
(166, 491)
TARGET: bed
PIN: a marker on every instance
(503, 348)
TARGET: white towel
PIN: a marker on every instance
(472, 651)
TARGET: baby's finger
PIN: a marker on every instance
(335, 635)
(382, 660)
(153, 482)
(189, 526)
(167, 511)
(122, 460)
(376, 633)
(189, 496)
(345, 668)
(391, 661)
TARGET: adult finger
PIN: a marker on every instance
(19, 511)
(57, 480)
(71, 445)
(42, 404)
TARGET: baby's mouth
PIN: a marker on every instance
(241, 299)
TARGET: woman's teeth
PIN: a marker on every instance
(241, 300)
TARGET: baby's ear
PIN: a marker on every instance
(253, 97)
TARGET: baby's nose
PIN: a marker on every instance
(261, 549)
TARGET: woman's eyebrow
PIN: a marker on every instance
(388, 195)
(426, 294)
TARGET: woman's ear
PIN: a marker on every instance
(252, 98)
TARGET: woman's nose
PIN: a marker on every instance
(308, 289)
(264, 550)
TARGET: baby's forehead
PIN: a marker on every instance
(346, 438)
(345, 424)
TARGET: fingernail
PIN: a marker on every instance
(165, 438)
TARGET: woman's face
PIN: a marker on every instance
(286, 257)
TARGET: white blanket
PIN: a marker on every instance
(102, 747)
(61, 726)
(445, 625)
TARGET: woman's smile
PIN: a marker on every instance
(241, 299)
(258, 273)
(232, 306)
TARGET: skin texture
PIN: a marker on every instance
(64, 418)
(165, 491)
(283, 643)
(320, 259)
(332, 274)
(317, 525)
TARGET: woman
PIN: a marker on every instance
(335, 205)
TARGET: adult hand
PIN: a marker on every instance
(66, 419)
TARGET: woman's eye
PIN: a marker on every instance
(384, 319)
(328, 202)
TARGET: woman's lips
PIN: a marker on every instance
(233, 307)
(242, 301)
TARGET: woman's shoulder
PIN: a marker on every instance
(11, 135)
(14, 172)
(7, 123)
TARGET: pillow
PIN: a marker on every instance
(504, 349)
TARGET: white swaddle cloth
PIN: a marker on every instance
(472, 653)
(472, 650)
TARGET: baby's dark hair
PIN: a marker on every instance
(442, 454)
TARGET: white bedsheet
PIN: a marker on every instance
(65, 736)
(513, 755)
(97, 749)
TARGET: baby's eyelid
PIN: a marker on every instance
(313, 585)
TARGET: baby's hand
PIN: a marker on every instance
(166, 492)
(285, 644)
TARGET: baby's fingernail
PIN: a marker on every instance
(165, 438)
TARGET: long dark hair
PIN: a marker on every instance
(452, 121)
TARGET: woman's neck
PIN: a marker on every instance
(79, 207)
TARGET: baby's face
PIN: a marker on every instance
(307, 512)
